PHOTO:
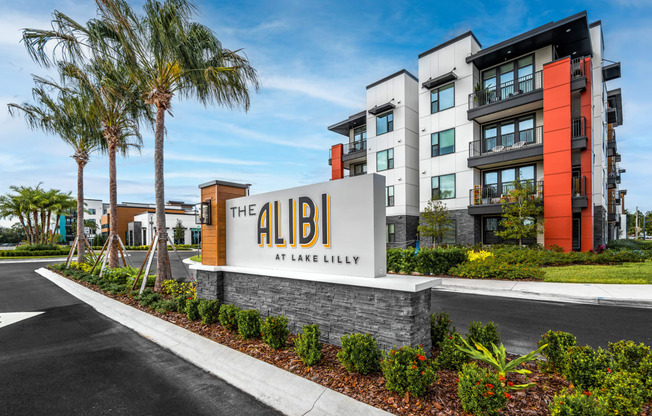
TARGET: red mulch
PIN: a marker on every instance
(440, 399)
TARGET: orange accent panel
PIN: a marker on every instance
(557, 165)
(586, 156)
(336, 162)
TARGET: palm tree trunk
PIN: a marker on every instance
(49, 216)
(22, 223)
(80, 212)
(30, 233)
(113, 209)
(163, 259)
(36, 231)
(44, 227)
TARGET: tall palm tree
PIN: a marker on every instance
(65, 113)
(166, 53)
(12, 207)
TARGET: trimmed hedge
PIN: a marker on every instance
(21, 253)
(433, 261)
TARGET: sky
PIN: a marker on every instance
(314, 59)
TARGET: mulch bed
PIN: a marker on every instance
(440, 399)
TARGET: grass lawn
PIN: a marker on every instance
(626, 273)
(195, 258)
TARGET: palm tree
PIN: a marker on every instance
(65, 113)
(12, 207)
(166, 53)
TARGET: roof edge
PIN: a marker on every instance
(450, 42)
(401, 72)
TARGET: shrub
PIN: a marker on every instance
(407, 369)
(119, 275)
(359, 353)
(192, 309)
(228, 317)
(450, 357)
(557, 352)
(209, 311)
(15, 253)
(307, 345)
(629, 244)
(165, 305)
(275, 331)
(627, 355)
(440, 328)
(578, 404)
(484, 334)
(439, 260)
(480, 390)
(148, 298)
(181, 304)
(479, 255)
(645, 372)
(586, 367)
(496, 268)
(248, 323)
(401, 260)
(41, 247)
(179, 288)
(623, 393)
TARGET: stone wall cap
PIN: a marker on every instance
(399, 283)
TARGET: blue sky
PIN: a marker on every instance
(314, 60)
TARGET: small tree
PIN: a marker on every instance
(179, 233)
(435, 221)
(520, 211)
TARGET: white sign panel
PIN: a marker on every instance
(335, 227)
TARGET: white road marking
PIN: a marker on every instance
(8, 318)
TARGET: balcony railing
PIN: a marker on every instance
(506, 142)
(354, 147)
(494, 194)
(579, 186)
(577, 67)
(492, 94)
(578, 127)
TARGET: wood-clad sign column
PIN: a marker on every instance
(213, 235)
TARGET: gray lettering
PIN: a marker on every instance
(233, 211)
(251, 209)
(355, 259)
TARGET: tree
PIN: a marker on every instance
(179, 232)
(520, 209)
(65, 113)
(435, 221)
(166, 53)
(90, 224)
(12, 235)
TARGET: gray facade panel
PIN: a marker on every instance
(405, 230)
(599, 226)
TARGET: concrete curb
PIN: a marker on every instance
(284, 391)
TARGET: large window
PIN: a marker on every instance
(389, 196)
(500, 182)
(442, 143)
(504, 135)
(449, 236)
(443, 187)
(359, 139)
(92, 211)
(442, 98)
(515, 77)
(390, 236)
(384, 123)
(385, 160)
(359, 169)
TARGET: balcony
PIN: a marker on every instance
(487, 199)
(612, 180)
(351, 151)
(526, 90)
(580, 198)
(578, 78)
(612, 213)
(578, 133)
(485, 152)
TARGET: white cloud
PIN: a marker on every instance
(216, 160)
(323, 89)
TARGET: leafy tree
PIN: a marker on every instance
(520, 211)
(179, 232)
(13, 235)
(435, 221)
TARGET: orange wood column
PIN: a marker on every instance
(336, 162)
(557, 164)
(586, 157)
(213, 236)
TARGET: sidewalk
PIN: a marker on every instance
(633, 296)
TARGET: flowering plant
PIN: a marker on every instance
(407, 369)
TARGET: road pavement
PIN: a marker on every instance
(70, 360)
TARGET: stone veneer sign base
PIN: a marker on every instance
(394, 309)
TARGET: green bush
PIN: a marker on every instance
(450, 357)
(495, 268)
(557, 351)
(16, 253)
(248, 323)
(586, 367)
(165, 306)
(480, 390)
(485, 335)
(209, 311)
(148, 298)
(307, 345)
(407, 369)
(623, 393)
(192, 309)
(275, 331)
(427, 261)
(42, 247)
(359, 353)
(120, 275)
(629, 244)
(229, 317)
(578, 404)
(627, 356)
(440, 328)
(645, 372)
(182, 301)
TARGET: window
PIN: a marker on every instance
(450, 236)
(515, 77)
(385, 160)
(443, 187)
(389, 196)
(442, 143)
(384, 123)
(504, 135)
(91, 211)
(360, 134)
(359, 169)
(442, 98)
(390, 237)
(499, 182)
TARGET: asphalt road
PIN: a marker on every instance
(521, 322)
(71, 360)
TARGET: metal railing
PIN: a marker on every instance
(577, 67)
(506, 142)
(350, 148)
(494, 194)
(578, 127)
(579, 186)
(492, 94)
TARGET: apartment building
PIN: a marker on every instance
(535, 109)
